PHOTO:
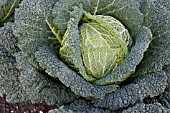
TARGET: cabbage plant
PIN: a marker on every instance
(90, 46)
(113, 54)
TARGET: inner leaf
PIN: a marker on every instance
(104, 44)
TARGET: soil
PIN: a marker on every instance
(7, 107)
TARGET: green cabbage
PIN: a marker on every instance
(113, 53)
(99, 47)
(104, 43)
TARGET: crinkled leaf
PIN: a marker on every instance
(9, 83)
(70, 50)
(39, 87)
(151, 85)
(57, 69)
(32, 30)
(79, 106)
(158, 54)
(146, 108)
(126, 11)
(163, 99)
(31, 27)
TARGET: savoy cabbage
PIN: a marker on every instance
(88, 55)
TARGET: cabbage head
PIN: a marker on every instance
(104, 43)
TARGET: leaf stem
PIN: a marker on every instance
(54, 31)
(9, 12)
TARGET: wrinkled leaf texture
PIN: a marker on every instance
(22, 79)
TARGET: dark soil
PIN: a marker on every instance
(6, 107)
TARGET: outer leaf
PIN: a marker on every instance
(70, 50)
(158, 55)
(126, 11)
(7, 39)
(146, 108)
(163, 99)
(149, 85)
(30, 26)
(32, 32)
(57, 69)
(79, 106)
(39, 87)
(157, 15)
(9, 83)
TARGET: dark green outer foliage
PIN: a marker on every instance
(22, 79)
(26, 83)
(158, 20)
(9, 83)
(29, 82)
(146, 108)
(150, 85)
(80, 106)
(30, 26)
(39, 87)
